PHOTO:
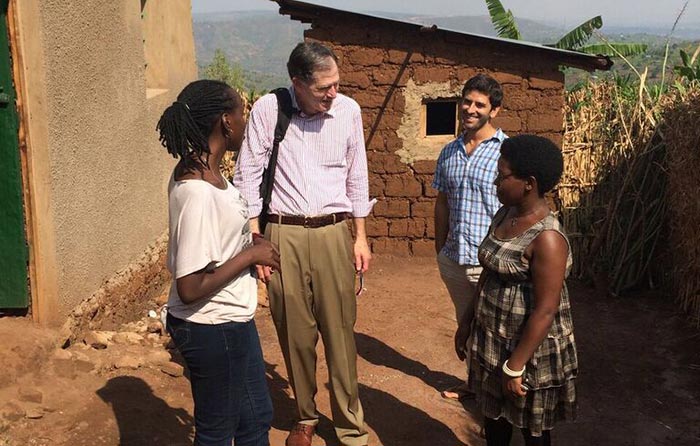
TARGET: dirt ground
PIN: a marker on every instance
(639, 381)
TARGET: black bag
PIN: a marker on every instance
(284, 116)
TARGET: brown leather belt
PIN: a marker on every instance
(308, 222)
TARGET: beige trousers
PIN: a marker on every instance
(314, 293)
(461, 282)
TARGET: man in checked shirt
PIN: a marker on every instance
(321, 181)
(467, 201)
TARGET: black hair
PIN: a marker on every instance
(306, 58)
(487, 85)
(185, 125)
(534, 156)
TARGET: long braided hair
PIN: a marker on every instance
(185, 125)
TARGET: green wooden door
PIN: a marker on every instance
(13, 246)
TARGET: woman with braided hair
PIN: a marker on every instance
(211, 255)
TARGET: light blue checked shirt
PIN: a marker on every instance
(467, 180)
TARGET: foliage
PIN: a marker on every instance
(614, 49)
(690, 68)
(503, 20)
(579, 35)
(220, 69)
(653, 60)
(504, 23)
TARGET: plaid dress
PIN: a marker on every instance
(505, 302)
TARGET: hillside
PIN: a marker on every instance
(260, 42)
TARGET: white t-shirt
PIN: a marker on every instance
(208, 224)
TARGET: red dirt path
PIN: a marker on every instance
(639, 382)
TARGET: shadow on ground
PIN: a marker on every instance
(142, 417)
(378, 353)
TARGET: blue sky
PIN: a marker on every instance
(567, 13)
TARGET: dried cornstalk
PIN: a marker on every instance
(611, 184)
(228, 163)
(682, 135)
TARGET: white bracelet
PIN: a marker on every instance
(512, 373)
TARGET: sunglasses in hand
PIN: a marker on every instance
(361, 286)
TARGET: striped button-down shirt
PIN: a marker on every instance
(467, 180)
(321, 165)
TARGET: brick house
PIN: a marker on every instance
(408, 79)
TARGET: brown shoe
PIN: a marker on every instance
(301, 435)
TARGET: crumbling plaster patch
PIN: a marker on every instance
(417, 147)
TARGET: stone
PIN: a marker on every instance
(153, 338)
(154, 327)
(34, 413)
(60, 353)
(30, 395)
(83, 366)
(97, 339)
(127, 338)
(172, 369)
(161, 299)
(12, 411)
(157, 357)
(128, 361)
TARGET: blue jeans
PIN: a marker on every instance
(227, 374)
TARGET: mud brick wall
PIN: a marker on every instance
(383, 66)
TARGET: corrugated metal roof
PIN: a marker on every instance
(308, 12)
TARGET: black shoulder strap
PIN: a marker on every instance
(284, 116)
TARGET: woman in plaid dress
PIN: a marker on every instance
(522, 352)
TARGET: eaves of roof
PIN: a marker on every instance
(308, 13)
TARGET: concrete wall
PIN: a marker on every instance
(376, 55)
(90, 116)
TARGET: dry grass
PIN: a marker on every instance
(628, 196)
(228, 163)
(681, 132)
(613, 182)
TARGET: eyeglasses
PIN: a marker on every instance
(361, 286)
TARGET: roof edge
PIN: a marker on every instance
(309, 12)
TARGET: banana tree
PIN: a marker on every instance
(505, 25)
(690, 69)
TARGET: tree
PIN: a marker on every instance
(220, 69)
(506, 27)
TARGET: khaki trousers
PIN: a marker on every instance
(314, 293)
(461, 282)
